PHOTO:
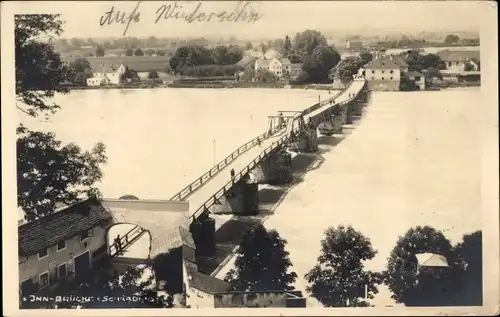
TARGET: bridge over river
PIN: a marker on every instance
(231, 186)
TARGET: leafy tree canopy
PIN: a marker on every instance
(339, 277)
(39, 70)
(401, 275)
(262, 263)
(305, 42)
(47, 171)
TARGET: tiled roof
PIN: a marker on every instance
(262, 63)
(203, 282)
(382, 63)
(399, 60)
(285, 61)
(105, 68)
(42, 233)
(457, 56)
(247, 60)
(137, 63)
(431, 260)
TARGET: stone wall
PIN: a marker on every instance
(383, 85)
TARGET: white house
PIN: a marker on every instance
(279, 66)
(455, 61)
(106, 74)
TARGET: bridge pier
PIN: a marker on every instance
(203, 232)
(275, 169)
(241, 199)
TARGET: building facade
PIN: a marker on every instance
(107, 75)
(456, 61)
(281, 67)
(61, 246)
(383, 74)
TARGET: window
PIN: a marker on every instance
(373, 72)
(44, 280)
(383, 71)
(391, 78)
(382, 78)
(417, 78)
(373, 78)
(457, 63)
(84, 235)
(62, 271)
(61, 245)
(449, 64)
(392, 71)
(44, 253)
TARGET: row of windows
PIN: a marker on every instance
(383, 71)
(373, 78)
(44, 279)
(61, 245)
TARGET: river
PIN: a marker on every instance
(414, 159)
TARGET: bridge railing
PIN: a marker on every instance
(214, 198)
(193, 186)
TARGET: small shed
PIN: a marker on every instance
(431, 262)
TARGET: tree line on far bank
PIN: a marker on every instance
(340, 278)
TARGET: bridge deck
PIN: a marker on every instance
(210, 187)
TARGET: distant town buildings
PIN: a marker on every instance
(107, 74)
(281, 67)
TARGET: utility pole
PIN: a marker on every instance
(214, 151)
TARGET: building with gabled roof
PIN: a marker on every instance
(383, 74)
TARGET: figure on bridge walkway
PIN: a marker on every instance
(232, 173)
(259, 142)
(118, 244)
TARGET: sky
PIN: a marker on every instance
(277, 17)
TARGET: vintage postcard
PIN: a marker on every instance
(206, 158)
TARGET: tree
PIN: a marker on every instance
(138, 52)
(470, 256)
(153, 75)
(80, 69)
(401, 276)
(48, 173)
(318, 65)
(150, 52)
(287, 45)
(39, 70)
(279, 46)
(262, 263)
(305, 42)
(160, 53)
(451, 39)
(366, 57)
(80, 65)
(138, 282)
(99, 52)
(248, 46)
(418, 62)
(131, 75)
(468, 67)
(295, 58)
(339, 277)
(129, 52)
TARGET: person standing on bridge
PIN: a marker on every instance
(232, 173)
(118, 244)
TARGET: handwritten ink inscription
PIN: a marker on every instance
(242, 12)
(116, 16)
